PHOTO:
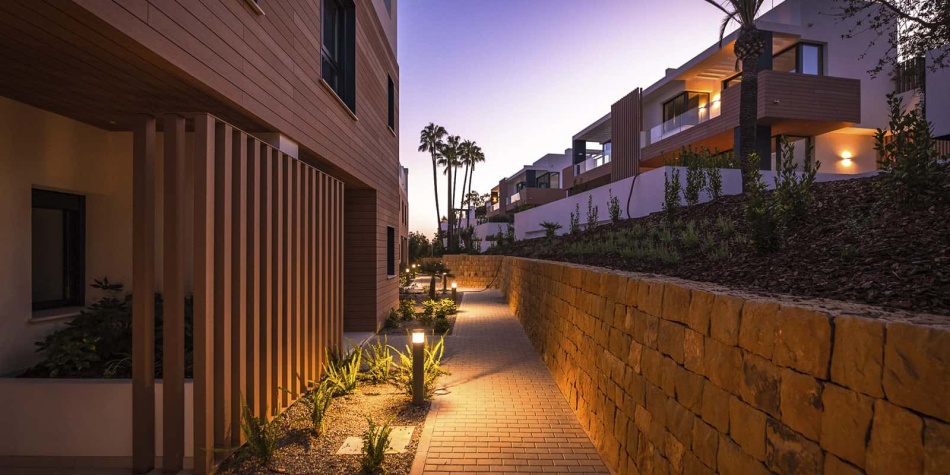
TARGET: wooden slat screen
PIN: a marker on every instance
(267, 283)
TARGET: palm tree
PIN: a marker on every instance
(465, 158)
(430, 140)
(450, 152)
(478, 156)
(750, 44)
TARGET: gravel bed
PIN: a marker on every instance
(299, 452)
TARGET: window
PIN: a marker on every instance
(390, 250)
(910, 74)
(687, 108)
(392, 103)
(58, 238)
(804, 58)
(733, 80)
(339, 46)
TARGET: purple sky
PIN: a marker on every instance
(521, 77)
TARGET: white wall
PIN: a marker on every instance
(49, 418)
(830, 147)
(938, 101)
(489, 229)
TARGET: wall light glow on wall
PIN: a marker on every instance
(846, 158)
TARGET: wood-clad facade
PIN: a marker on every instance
(255, 188)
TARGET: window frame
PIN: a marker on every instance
(684, 95)
(390, 251)
(338, 59)
(391, 91)
(74, 246)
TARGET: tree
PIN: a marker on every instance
(419, 247)
(478, 156)
(473, 198)
(749, 46)
(449, 152)
(468, 150)
(430, 140)
(912, 28)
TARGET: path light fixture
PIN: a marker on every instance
(455, 292)
(444, 280)
(418, 366)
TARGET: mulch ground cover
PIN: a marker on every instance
(854, 245)
(301, 453)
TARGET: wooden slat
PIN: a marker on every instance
(222, 288)
(143, 296)
(239, 289)
(253, 279)
(305, 210)
(204, 295)
(294, 277)
(173, 307)
(277, 257)
(266, 330)
(286, 375)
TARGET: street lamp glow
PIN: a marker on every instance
(418, 337)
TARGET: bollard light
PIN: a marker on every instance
(444, 281)
(455, 291)
(418, 365)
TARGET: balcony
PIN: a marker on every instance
(790, 103)
(682, 122)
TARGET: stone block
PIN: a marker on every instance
(619, 343)
(916, 365)
(670, 339)
(705, 442)
(858, 359)
(642, 419)
(724, 319)
(651, 365)
(723, 365)
(760, 384)
(732, 460)
(650, 297)
(656, 404)
(801, 403)
(634, 355)
(700, 308)
(715, 409)
(693, 466)
(747, 428)
(689, 389)
(645, 328)
(668, 369)
(936, 447)
(757, 329)
(836, 466)
(896, 440)
(694, 353)
(631, 290)
(676, 300)
(803, 341)
(790, 453)
(679, 421)
(675, 450)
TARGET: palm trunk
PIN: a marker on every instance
(464, 182)
(435, 184)
(449, 242)
(749, 46)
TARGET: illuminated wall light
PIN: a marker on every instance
(846, 159)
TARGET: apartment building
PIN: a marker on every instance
(243, 152)
(535, 184)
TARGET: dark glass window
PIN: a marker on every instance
(339, 46)
(675, 110)
(810, 59)
(389, 6)
(392, 103)
(390, 250)
(58, 240)
(802, 58)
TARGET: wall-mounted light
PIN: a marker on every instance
(846, 159)
(716, 100)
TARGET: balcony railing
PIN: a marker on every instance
(679, 123)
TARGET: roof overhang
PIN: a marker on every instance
(599, 131)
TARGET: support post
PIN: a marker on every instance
(173, 307)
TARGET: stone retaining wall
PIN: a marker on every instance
(674, 376)
(474, 271)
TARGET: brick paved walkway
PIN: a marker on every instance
(503, 412)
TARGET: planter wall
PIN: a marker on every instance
(76, 423)
(671, 375)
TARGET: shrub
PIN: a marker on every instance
(375, 443)
(760, 216)
(793, 190)
(725, 226)
(510, 234)
(392, 321)
(379, 361)
(613, 206)
(912, 172)
(695, 175)
(592, 212)
(432, 367)
(342, 372)
(671, 192)
(550, 229)
(689, 236)
(442, 326)
(447, 306)
(407, 308)
(318, 402)
(713, 179)
(261, 436)
(575, 226)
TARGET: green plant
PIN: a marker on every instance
(550, 229)
(591, 213)
(725, 226)
(912, 172)
(689, 236)
(792, 189)
(392, 321)
(760, 216)
(613, 206)
(261, 436)
(575, 226)
(432, 367)
(318, 401)
(375, 443)
(695, 175)
(379, 361)
(671, 191)
(442, 326)
(510, 234)
(719, 251)
(713, 178)
(407, 309)
(342, 372)
(447, 306)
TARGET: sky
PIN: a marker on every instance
(521, 77)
